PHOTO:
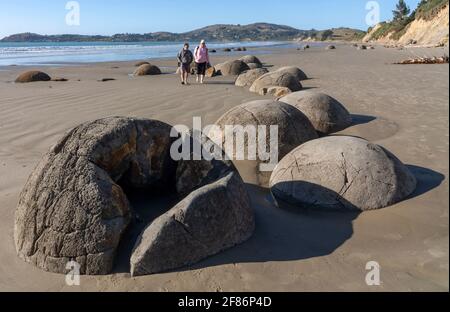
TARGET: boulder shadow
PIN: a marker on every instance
(361, 119)
(286, 233)
(147, 206)
(427, 180)
(216, 82)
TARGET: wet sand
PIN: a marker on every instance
(403, 108)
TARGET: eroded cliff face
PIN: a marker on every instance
(434, 31)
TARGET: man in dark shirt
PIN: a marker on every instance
(185, 58)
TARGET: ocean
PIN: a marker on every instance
(55, 53)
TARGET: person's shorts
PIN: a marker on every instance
(185, 68)
(201, 69)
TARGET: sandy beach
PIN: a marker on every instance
(403, 108)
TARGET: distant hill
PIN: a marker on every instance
(218, 33)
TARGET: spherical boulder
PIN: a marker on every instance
(293, 126)
(325, 113)
(248, 78)
(276, 79)
(32, 76)
(341, 173)
(232, 68)
(248, 59)
(295, 71)
(147, 69)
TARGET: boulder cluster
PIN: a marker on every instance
(75, 207)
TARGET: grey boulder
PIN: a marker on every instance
(294, 128)
(211, 219)
(247, 78)
(341, 173)
(72, 206)
(295, 71)
(250, 59)
(325, 113)
(276, 79)
(232, 68)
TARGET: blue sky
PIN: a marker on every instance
(139, 16)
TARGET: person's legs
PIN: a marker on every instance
(202, 72)
(186, 76)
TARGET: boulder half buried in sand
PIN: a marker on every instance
(232, 68)
(248, 59)
(75, 207)
(341, 173)
(147, 69)
(276, 79)
(248, 78)
(32, 76)
(295, 71)
(294, 128)
(325, 113)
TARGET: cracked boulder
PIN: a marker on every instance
(325, 113)
(215, 215)
(276, 79)
(341, 173)
(248, 78)
(211, 219)
(250, 59)
(72, 207)
(293, 128)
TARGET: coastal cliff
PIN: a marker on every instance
(428, 25)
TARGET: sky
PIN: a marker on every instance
(107, 17)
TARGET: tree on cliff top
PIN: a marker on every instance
(401, 11)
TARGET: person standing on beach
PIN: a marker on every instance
(185, 59)
(201, 55)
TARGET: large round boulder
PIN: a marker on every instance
(248, 78)
(232, 68)
(295, 71)
(325, 113)
(32, 76)
(249, 59)
(147, 69)
(256, 118)
(341, 173)
(276, 79)
(74, 206)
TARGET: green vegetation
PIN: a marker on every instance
(426, 10)
(401, 11)
(430, 8)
